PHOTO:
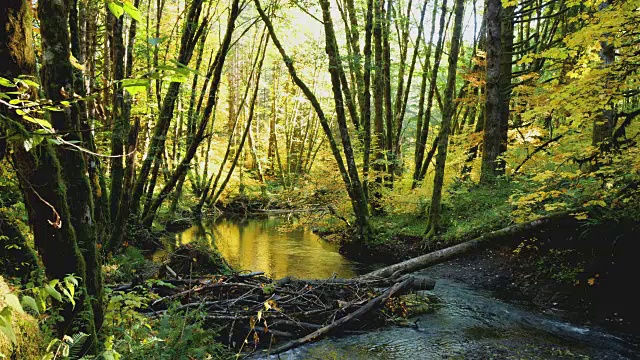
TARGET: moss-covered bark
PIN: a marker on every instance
(44, 191)
(119, 119)
(58, 84)
(17, 259)
(493, 100)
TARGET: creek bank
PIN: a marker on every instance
(577, 270)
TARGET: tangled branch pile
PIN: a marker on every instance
(253, 312)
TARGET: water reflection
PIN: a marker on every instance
(259, 245)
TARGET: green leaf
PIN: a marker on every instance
(132, 11)
(53, 292)
(41, 122)
(116, 8)
(6, 82)
(5, 324)
(71, 279)
(177, 78)
(32, 142)
(13, 302)
(30, 302)
(135, 86)
(27, 80)
(69, 296)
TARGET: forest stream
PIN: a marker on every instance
(468, 323)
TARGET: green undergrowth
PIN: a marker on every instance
(128, 266)
(467, 211)
(173, 335)
(470, 211)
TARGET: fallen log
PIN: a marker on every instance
(372, 304)
(436, 257)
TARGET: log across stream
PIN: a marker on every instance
(280, 316)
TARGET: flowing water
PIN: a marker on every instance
(469, 323)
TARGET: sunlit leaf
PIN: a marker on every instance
(132, 11)
(116, 8)
(6, 82)
(53, 292)
(13, 302)
(5, 324)
(41, 122)
(135, 86)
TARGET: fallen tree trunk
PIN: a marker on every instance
(436, 257)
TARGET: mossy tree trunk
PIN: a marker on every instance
(58, 80)
(41, 174)
(378, 106)
(358, 199)
(17, 259)
(119, 120)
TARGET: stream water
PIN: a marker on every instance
(469, 323)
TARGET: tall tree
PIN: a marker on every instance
(193, 28)
(350, 177)
(423, 132)
(182, 168)
(494, 98)
(58, 84)
(40, 173)
(443, 142)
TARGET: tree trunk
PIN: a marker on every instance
(604, 123)
(359, 201)
(378, 106)
(17, 259)
(41, 182)
(365, 112)
(493, 103)
(443, 141)
(120, 223)
(506, 70)
(424, 131)
(199, 136)
(193, 29)
(388, 106)
(118, 120)
(352, 184)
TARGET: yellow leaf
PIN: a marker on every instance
(580, 216)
